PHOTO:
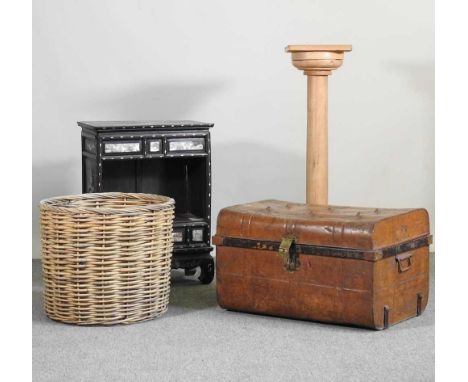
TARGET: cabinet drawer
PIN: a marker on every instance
(112, 148)
(188, 144)
(154, 147)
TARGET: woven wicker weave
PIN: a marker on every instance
(106, 257)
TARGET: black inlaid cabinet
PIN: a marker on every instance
(171, 158)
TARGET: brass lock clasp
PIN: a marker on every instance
(287, 250)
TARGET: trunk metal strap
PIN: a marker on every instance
(303, 249)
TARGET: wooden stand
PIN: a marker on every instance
(317, 62)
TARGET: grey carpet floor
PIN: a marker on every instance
(196, 340)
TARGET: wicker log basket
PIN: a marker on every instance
(106, 257)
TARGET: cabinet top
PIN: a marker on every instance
(125, 125)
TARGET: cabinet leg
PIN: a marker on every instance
(207, 271)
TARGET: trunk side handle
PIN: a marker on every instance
(400, 260)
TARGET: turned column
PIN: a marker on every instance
(317, 62)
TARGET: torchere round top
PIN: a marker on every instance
(317, 60)
(318, 48)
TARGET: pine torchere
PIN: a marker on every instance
(171, 158)
(317, 62)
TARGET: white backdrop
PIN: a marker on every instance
(224, 62)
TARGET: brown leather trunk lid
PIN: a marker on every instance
(364, 229)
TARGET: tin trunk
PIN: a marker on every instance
(359, 266)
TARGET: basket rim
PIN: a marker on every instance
(70, 203)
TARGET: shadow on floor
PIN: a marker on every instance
(38, 313)
(188, 292)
